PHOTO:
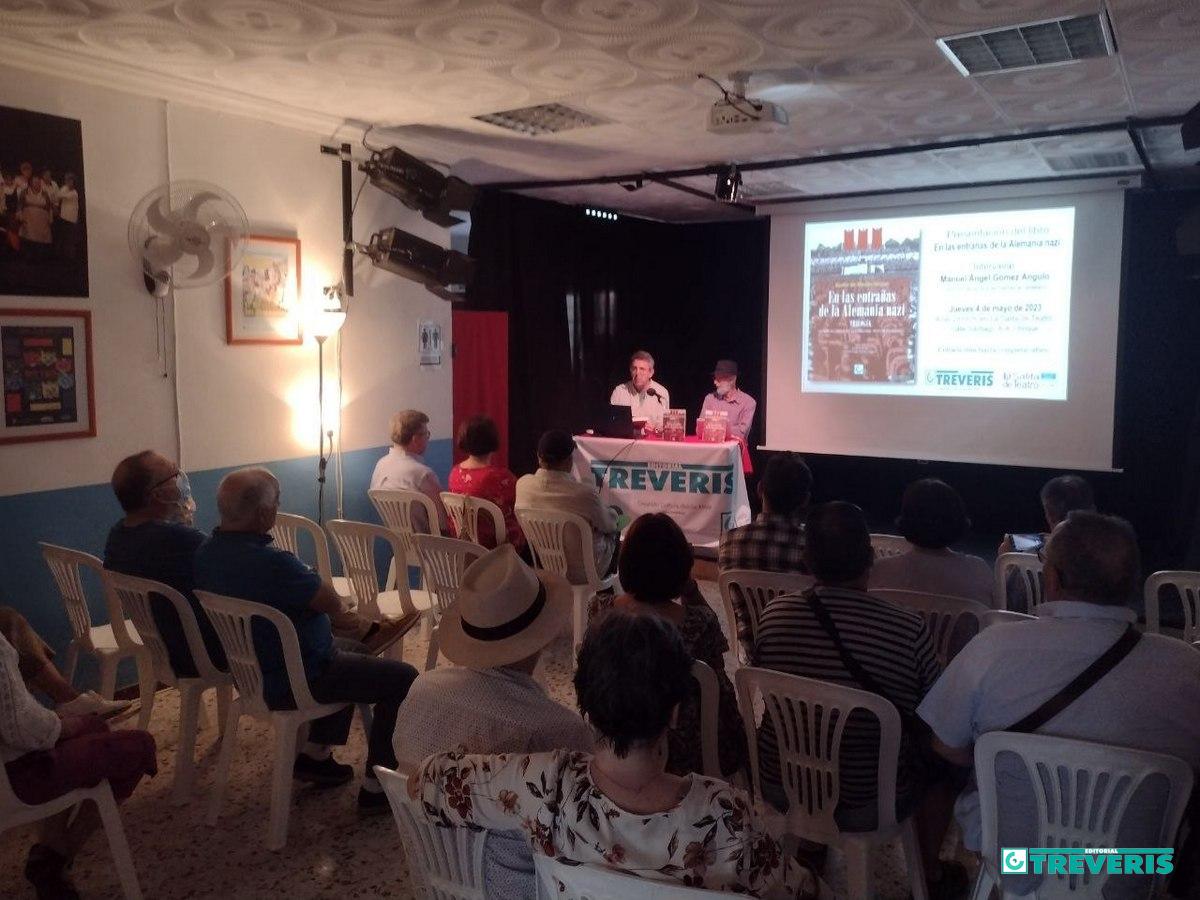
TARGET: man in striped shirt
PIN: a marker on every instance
(891, 645)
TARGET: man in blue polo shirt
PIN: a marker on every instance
(240, 561)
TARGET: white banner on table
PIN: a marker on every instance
(701, 486)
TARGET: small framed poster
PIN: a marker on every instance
(431, 342)
(49, 394)
(262, 292)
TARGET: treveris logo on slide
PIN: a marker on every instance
(1093, 860)
(955, 378)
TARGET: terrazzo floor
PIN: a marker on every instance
(331, 852)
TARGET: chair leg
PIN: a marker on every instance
(858, 869)
(115, 832)
(431, 657)
(224, 699)
(147, 686)
(228, 742)
(190, 701)
(983, 884)
(71, 662)
(286, 734)
(108, 675)
(912, 859)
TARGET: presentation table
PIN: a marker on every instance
(701, 485)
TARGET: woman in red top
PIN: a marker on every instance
(477, 477)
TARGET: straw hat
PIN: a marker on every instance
(505, 612)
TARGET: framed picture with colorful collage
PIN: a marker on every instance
(49, 393)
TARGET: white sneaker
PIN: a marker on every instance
(91, 703)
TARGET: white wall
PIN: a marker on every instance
(238, 404)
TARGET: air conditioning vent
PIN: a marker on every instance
(549, 118)
(1046, 43)
(1082, 162)
(758, 190)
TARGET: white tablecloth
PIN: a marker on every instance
(701, 486)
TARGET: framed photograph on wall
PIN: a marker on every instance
(43, 216)
(262, 292)
(49, 393)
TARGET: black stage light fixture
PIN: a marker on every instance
(418, 185)
(1189, 131)
(729, 184)
(445, 273)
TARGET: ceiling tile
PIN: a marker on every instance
(714, 49)
(490, 35)
(618, 20)
(262, 24)
(955, 16)
(821, 28)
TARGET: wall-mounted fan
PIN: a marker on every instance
(177, 231)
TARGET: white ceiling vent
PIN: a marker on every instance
(758, 190)
(549, 118)
(1047, 43)
(1085, 162)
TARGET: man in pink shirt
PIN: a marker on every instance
(726, 397)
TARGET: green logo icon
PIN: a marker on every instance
(1014, 861)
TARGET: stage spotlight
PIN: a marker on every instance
(446, 273)
(418, 185)
(729, 184)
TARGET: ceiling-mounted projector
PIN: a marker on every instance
(418, 185)
(446, 273)
(735, 113)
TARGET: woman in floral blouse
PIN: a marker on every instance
(475, 476)
(619, 808)
(656, 572)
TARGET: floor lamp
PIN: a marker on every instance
(322, 323)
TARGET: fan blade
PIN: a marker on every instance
(193, 205)
(162, 254)
(159, 219)
(204, 264)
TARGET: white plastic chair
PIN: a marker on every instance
(406, 513)
(443, 560)
(552, 534)
(445, 863)
(1083, 792)
(710, 697)
(109, 643)
(1000, 616)
(1029, 567)
(464, 512)
(232, 620)
(286, 532)
(14, 813)
(355, 543)
(942, 614)
(571, 881)
(134, 596)
(889, 545)
(809, 718)
(753, 590)
(1188, 586)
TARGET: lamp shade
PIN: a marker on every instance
(324, 317)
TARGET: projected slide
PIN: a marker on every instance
(967, 305)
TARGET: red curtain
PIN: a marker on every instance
(480, 341)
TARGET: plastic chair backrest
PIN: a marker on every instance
(889, 545)
(1083, 792)
(134, 597)
(406, 513)
(999, 616)
(464, 512)
(1188, 586)
(66, 565)
(710, 694)
(550, 533)
(573, 881)
(755, 590)
(1029, 567)
(443, 560)
(809, 718)
(232, 620)
(943, 615)
(287, 530)
(446, 862)
(355, 542)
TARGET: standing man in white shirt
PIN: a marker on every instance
(404, 468)
(641, 393)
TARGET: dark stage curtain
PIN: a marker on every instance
(583, 293)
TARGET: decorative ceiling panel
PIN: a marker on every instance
(850, 75)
